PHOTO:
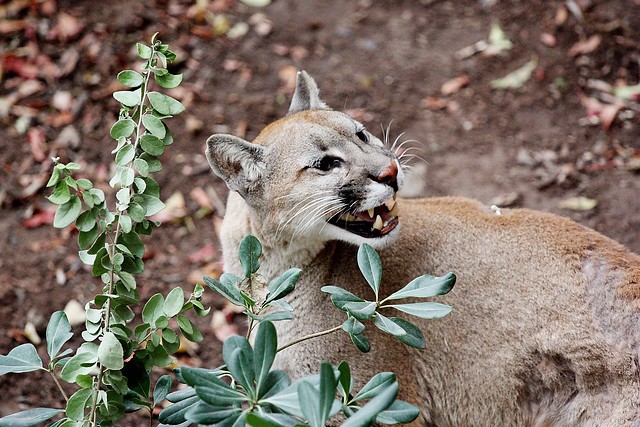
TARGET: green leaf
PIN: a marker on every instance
(128, 98)
(352, 326)
(77, 404)
(216, 416)
(58, 333)
(376, 385)
(256, 421)
(413, 336)
(264, 351)
(173, 303)
(400, 412)
(123, 128)
(152, 144)
(283, 285)
(151, 204)
(55, 177)
(227, 289)
(126, 175)
(240, 364)
(425, 310)
(249, 252)
(309, 403)
(361, 310)
(30, 417)
(154, 125)
(155, 165)
(110, 352)
(86, 221)
(153, 309)
(168, 81)
(133, 242)
(67, 213)
(340, 297)
(278, 316)
(328, 386)
(345, 382)
(368, 412)
(142, 167)
(61, 193)
(144, 51)
(188, 329)
(84, 183)
(80, 364)
(370, 266)
(23, 358)
(164, 104)
(274, 383)
(425, 286)
(387, 325)
(130, 78)
(361, 342)
(517, 78)
(125, 155)
(161, 389)
(175, 414)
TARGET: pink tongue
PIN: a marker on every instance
(365, 216)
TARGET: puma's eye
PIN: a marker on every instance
(363, 136)
(327, 163)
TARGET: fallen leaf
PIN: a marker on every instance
(608, 114)
(221, 328)
(44, 217)
(506, 200)
(75, 313)
(454, 85)
(578, 204)
(31, 334)
(261, 24)
(256, 3)
(62, 100)
(548, 39)
(585, 46)
(561, 16)
(36, 139)
(498, 41)
(67, 27)
(20, 66)
(434, 104)
(198, 195)
(288, 75)
(12, 25)
(174, 208)
(517, 78)
(204, 254)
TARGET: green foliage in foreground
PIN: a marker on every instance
(246, 391)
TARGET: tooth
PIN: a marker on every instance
(390, 204)
(394, 211)
(395, 195)
(371, 212)
(348, 217)
(378, 224)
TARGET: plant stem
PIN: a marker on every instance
(55, 379)
(249, 328)
(310, 336)
(112, 251)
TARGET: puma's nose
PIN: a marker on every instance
(389, 176)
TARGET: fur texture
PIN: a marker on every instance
(545, 327)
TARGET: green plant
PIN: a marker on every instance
(256, 395)
(111, 367)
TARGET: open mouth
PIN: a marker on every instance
(371, 223)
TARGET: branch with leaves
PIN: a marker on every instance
(246, 391)
(110, 369)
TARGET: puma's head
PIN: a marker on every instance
(315, 174)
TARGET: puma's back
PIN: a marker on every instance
(546, 322)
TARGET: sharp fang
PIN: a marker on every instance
(394, 211)
(349, 217)
(390, 204)
(378, 224)
(371, 212)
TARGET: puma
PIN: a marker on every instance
(545, 328)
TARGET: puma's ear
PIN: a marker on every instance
(238, 162)
(306, 95)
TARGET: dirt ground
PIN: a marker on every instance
(567, 132)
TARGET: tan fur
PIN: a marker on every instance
(546, 324)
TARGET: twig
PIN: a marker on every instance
(310, 336)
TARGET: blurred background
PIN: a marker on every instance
(528, 103)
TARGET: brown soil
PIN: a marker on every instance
(382, 60)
